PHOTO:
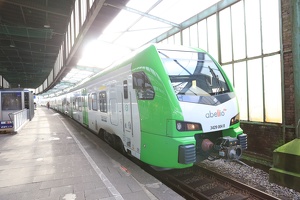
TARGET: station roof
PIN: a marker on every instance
(32, 31)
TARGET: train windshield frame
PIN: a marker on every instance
(193, 75)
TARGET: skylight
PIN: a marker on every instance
(137, 23)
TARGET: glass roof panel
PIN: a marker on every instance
(122, 22)
(109, 37)
(101, 54)
(141, 5)
(136, 24)
(142, 32)
(147, 23)
(178, 10)
(137, 38)
(76, 75)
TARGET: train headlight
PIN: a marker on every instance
(179, 126)
(188, 126)
(235, 119)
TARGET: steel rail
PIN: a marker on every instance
(239, 185)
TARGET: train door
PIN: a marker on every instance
(131, 120)
(85, 108)
(113, 106)
(72, 106)
(77, 107)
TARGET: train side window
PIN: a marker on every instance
(143, 86)
(76, 104)
(82, 103)
(94, 101)
(103, 101)
(79, 104)
(64, 101)
(90, 101)
(125, 88)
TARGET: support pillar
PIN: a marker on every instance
(296, 60)
(286, 159)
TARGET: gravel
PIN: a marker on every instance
(251, 176)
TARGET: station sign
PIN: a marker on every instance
(6, 124)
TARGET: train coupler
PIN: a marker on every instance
(228, 148)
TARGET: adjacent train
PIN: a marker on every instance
(169, 106)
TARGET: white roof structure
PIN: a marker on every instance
(138, 23)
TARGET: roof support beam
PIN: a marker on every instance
(200, 16)
(25, 4)
(31, 41)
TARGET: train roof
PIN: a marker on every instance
(143, 48)
(130, 57)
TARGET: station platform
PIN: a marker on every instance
(54, 158)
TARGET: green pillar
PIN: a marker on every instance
(296, 60)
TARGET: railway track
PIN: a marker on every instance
(201, 183)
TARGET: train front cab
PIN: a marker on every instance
(171, 138)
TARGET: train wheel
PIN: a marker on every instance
(101, 134)
(110, 139)
(113, 141)
(120, 145)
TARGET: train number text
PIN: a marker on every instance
(215, 127)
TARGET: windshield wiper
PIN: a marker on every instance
(212, 72)
(217, 80)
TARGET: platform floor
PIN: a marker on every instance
(54, 158)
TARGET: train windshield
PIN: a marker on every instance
(193, 74)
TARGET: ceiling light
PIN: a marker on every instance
(12, 44)
(46, 25)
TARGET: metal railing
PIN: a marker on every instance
(19, 118)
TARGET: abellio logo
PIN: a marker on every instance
(218, 113)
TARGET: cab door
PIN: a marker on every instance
(127, 113)
(131, 119)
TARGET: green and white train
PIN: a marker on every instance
(170, 107)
